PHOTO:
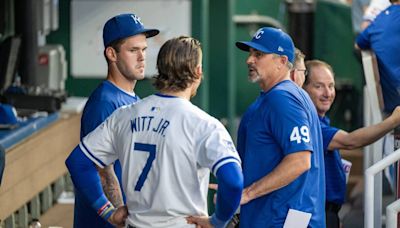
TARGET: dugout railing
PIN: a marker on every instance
(374, 164)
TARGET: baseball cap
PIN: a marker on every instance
(270, 40)
(125, 25)
(8, 115)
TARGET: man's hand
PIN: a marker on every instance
(119, 216)
(396, 115)
(199, 221)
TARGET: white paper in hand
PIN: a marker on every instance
(297, 219)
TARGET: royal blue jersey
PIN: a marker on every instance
(241, 141)
(382, 36)
(282, 121)
(104, 100)
(335, 176)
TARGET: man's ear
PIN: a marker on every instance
(284, 60)
(199, 70)
(111, 54)
(292, 75)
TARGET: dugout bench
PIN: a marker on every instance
(35, 173)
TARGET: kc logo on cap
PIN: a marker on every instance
(270, 40)
(123, 26)
(136, 19)
(258, 34)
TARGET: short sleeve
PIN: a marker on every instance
(288, 121)
(216, 148)
(98, 144)
(94, 114)
(328, 133)
(363, 39)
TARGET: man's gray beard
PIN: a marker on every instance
(254, 79)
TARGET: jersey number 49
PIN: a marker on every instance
(302, 134)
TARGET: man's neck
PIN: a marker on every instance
(121, 82)
(267, 85)
(185, 94)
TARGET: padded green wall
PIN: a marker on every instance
(244, 91)
(334, 43)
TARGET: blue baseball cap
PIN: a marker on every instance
(8, 115)
(270, 40)
(125, 25)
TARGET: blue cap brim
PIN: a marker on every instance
(150, 32)
(245, 46)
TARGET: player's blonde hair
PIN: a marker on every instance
(176, 63)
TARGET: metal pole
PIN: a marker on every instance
(370, 219)
(391, 214)
(231, 68)
(396, 135)
(27, 25)
(205, 5)
(374, 155)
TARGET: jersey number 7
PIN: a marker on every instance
(150, 148)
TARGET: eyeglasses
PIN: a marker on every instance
(305, 71)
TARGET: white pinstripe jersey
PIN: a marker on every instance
(167, 147)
